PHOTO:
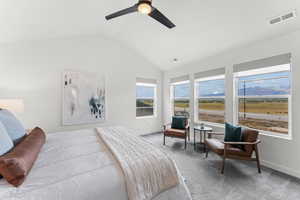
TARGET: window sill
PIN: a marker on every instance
(273, 134)
(263, 133)
(147, 117)
(276, 135)
(210, 124)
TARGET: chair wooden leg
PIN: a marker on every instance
(189, 136)
(223, 165)
(206, 153)
(224, 158)
(185, 143)
(164, 140)
(194, 140)
(257, 159)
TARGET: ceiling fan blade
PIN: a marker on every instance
(122, 12)
(158, 16)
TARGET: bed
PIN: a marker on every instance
(78, 165)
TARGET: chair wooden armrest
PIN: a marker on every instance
(187, 126)
(166, 125)
(242, 143)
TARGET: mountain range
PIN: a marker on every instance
(250, 91)
(253, 91)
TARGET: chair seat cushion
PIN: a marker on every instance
(175, 133)
(218, 147)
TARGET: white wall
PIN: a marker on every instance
(280, 154)
(33, 71)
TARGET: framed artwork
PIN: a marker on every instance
(83, 98)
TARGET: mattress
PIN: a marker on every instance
(77, 165)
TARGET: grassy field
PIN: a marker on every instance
(144, 112)
(211, 118)
(144, 103)
(261, 106)
(257, 106)
(181, 104)
(211, 104)
(265, 106)
(266, 125)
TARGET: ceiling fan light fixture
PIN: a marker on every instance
(144, 8)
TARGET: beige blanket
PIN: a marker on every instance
(148, 171)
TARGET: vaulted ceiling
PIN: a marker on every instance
(204, 27)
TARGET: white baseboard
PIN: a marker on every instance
(281, 168)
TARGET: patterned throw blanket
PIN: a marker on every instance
(148, 171)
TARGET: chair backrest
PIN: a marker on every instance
(249, 135)
(180, 118)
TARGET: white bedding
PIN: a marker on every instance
(147, 170)
(76, 165)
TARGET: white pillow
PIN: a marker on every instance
(6, 143)
(13, 126)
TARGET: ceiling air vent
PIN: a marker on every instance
(282, 18)
(275, 20)
(288, 16)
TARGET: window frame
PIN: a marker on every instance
(172, 98)
(196, 99)
(267, 70)
(154, 86)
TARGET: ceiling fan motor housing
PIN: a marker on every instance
(145, 1)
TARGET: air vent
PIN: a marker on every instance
(282, 18)
(276, 20)
(288, 16)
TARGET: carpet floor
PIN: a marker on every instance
(241, 180)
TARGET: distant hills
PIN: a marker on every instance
(263, 91)
(250, 91)
(253, 91)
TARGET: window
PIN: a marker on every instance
(210, 99)
(145, 100)
(181, 98)
(264, 98)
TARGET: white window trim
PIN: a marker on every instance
(213, 124)
(146, 84)
(196, 103)
(180, 82)
(172, 98)
(154, 101)
(210, 78)
(266, 70)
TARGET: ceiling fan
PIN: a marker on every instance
(144, 7)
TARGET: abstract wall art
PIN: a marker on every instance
(83, 98)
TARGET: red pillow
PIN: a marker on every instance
(16, 165)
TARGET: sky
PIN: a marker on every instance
(182, 90)
(215, 88)
(144, 92)
(212, 88)
(254, 85)
(276, 84)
